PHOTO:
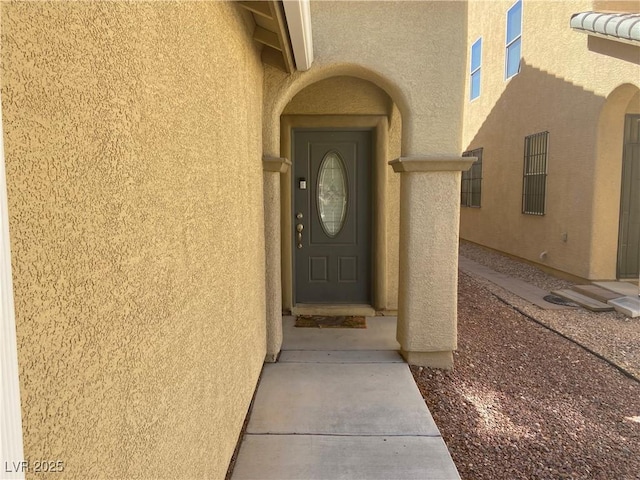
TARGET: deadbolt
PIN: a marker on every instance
(299, 215)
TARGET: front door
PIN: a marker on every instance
(332, 216)
(629, 232)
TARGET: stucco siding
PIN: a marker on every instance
(404, 41)
(340, 96)
(405, 48)
(562, 86)
(134, 175)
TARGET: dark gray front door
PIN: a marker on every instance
(332, 216)
(629, 232)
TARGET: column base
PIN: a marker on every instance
(443, 360)
(271, 357)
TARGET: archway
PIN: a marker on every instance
(347, 103)
(429, 169)
(279, 91)
(614, 245)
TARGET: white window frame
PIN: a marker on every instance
(473, 71)
(514, 40)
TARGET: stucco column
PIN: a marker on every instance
(273, 167)
(428, 283)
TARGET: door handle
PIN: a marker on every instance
(299, 228)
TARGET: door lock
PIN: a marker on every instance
(299, 228)
(299, 215)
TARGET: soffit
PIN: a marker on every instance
(622, 27)
(271, 33)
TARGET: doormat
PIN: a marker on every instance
(321, 321)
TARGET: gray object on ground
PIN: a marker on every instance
(630, 306)
(582, 300)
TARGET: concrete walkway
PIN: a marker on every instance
(341, 404)
(525, 290)
(629, 304)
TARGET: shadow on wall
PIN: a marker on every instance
(537, 101)
(621, 51)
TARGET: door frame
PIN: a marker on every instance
(379, 125)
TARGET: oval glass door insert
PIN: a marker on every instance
(332, 194)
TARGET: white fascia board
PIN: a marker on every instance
(298, 14)
(11, 449)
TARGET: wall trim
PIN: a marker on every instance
(11, 419)
(275, 164)
(431, 163)
(298, 14)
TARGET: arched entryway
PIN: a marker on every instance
(617, 184)
(360, 122)
(426, 200)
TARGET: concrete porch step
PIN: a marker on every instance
(597, 293)
(338, 356)
(623, 288)
(582, 300)
(630, 305)
(332, 310)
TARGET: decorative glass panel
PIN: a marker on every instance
(332, 194)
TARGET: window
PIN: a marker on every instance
(514, 39)
(476, 62)
(472, 180)
(535, 173)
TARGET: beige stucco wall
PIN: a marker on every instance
(340, 96)
(562, 87)
(614, 6)
(134, 171)
(393, 209)
(399, 47)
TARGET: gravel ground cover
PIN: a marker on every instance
(525, 403)
(610, 334)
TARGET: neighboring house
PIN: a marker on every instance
(159, 159)
(553, 109)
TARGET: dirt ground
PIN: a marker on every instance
(525, 403)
